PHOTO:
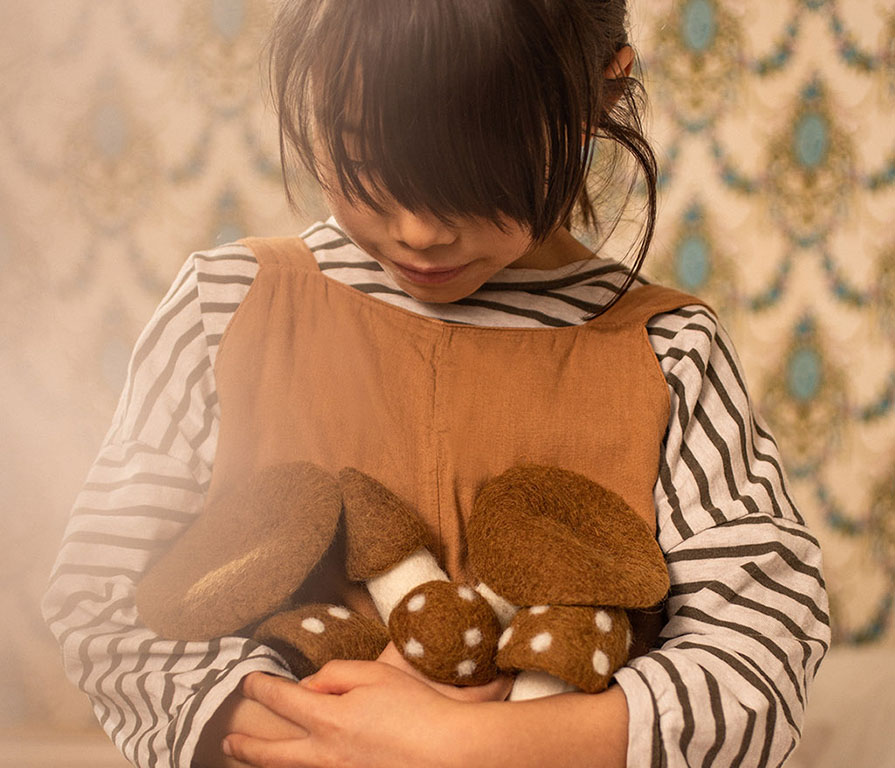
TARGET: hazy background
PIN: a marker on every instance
(132, 133)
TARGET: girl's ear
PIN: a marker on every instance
(621, 64)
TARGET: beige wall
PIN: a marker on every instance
(133, 133)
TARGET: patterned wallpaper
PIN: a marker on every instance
(133, 133)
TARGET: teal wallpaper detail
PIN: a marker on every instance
(778, 172)
(133, 133)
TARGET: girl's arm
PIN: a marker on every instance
(748, 616)
(148, 482)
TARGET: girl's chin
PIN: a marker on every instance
(456, 288)
(435, 294)
(429, 296)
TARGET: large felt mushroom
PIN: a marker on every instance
(244, 556)
(574, 554)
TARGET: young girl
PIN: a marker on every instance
(442, 325)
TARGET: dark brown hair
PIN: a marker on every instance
(462, 107)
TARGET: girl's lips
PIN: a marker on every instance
(428, 278)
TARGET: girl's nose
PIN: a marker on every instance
(419, 230)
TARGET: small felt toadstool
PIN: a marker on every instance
(582, 646)
(446, 631)
(574, 553)
(311, 635)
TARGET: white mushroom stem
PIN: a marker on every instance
(536, 685)
(504, 609)
(388, 588)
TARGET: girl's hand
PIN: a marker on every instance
(357, 714)
(497, 690)
(240, 714)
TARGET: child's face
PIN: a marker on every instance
(415, 249)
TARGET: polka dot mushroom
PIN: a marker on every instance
(448, 631)
(568, 642)
(445, 630)
(575, 557)
(310, 636)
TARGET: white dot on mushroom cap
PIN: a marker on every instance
(414, 648)
(504, 638)
(537, 610)
(466, 668)
(339, 612)
(541, 642)
(628, 639)
(313, 625)
(466, 593)
(603, 621)
(416, 602)
(472, 636)
(601, 663)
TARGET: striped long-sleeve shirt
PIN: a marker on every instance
(748, 623)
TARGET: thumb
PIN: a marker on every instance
(340, 676)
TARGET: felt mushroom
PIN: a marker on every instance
(446, 631)
(310, 636)
(581, 646)
(570, 550)
(244, 556)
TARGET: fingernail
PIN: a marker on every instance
(225, 746)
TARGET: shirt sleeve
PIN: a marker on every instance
(748, 615)
(152, 696)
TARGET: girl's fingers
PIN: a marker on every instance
(338, 677)
(283, 697)
(255, 719)
(261, 753)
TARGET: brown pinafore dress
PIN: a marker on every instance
(312, 369)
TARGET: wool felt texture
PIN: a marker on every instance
(244, 556)
(547, 535)
(448, 632)
(382, 530)
(582, 646)
(310, 636)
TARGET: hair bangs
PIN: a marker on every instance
(462, 109)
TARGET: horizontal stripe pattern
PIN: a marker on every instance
(748, 622)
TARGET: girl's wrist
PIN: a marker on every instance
(566, 731)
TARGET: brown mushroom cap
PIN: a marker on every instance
(310, 636)
(544, 535)
(582, 645)
(448, 632)
(381, 529)
(244, 555)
